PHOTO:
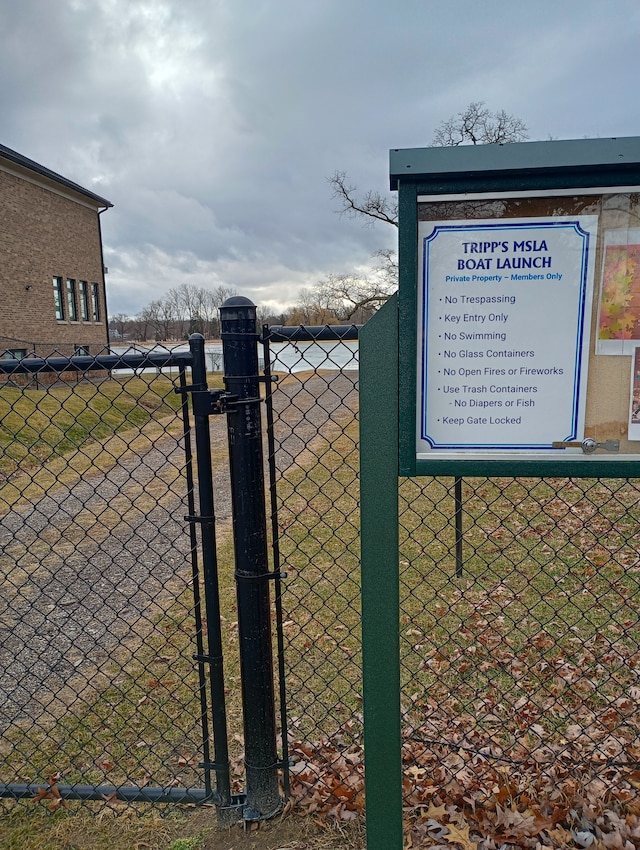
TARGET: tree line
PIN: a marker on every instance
(188, 309)
(183, 310)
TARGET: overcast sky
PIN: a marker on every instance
(212, 125)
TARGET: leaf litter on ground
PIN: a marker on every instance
(469, 793)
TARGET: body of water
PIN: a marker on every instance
(287, 357)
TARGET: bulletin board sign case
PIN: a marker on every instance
(519, 308)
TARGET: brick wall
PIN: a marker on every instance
(44, 234)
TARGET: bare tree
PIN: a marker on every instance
(353, 298)
(269, 316)
(178, 310)
(221, 293)
(184, 309)
(186, 303)
(216, 298)
(314, 307)
(191, 299)
(146, 322)
(477, 125)
(118, 325)
(474, 125)
(372, 206)
(165, 318)
(387, 267)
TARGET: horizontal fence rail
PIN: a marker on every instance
(101, 793)
(318, 333)
(101, 362)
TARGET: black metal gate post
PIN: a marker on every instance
(242, 381)
(206, 521)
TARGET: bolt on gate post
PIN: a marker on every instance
(242, 381)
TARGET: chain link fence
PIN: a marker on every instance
(519, 651)
(520, 648)
(315, 431)
(521, 691)
(98, 618)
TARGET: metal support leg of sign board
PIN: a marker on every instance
(380, 582)
(457, 487)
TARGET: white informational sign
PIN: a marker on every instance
(504, 313)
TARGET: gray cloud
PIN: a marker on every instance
(212, 126)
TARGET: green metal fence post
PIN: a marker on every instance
(380, 582)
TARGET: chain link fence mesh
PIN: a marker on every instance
(520, 692)
(316, 453)
(521, 699)
(520, 664)
(97, 613)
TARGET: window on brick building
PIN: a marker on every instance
(58, 298)
(96, 302)
(81, 350)
(83, 291)
(14, 353)
(71, 300)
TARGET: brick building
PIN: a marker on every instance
(52, 290)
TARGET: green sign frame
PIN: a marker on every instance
(588, 167)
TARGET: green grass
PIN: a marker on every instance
(193, 843)
(56, 436)
(37, 424)
(136, 718)
(319, 545)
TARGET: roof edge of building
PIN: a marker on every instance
(30, 164)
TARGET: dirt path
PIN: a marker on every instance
(86, 567)
(306, 410)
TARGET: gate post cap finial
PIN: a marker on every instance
(196, 336)
(237, 301)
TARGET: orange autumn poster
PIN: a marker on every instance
(620, 302)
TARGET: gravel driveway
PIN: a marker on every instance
(85, 567)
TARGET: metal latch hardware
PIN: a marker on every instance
(208, 402)
(589, 445)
